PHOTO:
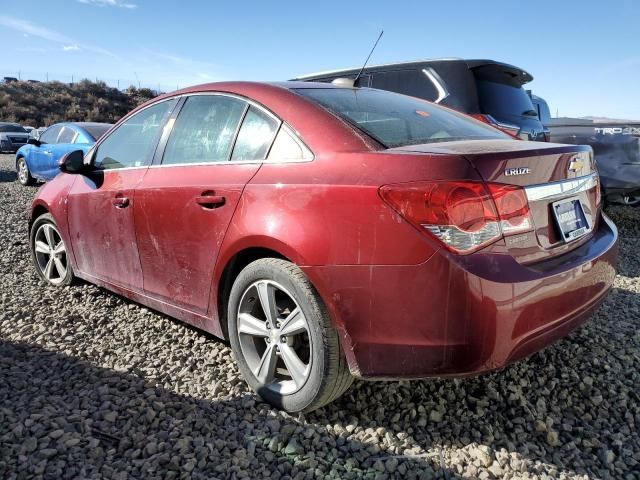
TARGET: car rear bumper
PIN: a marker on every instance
(463, 315)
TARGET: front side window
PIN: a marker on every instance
(50, 135)
(66, 135)
(204, 130)
(255, 136)
(132, 144)
(396, 120)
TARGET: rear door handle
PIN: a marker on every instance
(120, 202)
(210, 200)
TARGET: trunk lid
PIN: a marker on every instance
(549, 173)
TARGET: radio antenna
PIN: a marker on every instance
(355, 80)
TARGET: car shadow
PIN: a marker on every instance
(7, 176)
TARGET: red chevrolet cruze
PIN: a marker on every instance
(332, 232)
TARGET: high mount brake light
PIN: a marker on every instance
(463, 215)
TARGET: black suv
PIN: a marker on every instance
(476, 87)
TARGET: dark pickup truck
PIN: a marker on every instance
(616, 146)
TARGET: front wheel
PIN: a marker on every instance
(49, 252)
(24, 175)
(282, 338)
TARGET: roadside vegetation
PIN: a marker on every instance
(45, 103)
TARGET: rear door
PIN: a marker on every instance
(186, 201)
(101, 203)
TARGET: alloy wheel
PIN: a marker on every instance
(274, 337)
(23, 171)
(50, 253)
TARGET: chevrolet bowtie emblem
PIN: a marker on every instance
(575, 165)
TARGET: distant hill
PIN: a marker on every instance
(609, 120)
(41, 104)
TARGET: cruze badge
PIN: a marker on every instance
(575, 165)
(517, 171)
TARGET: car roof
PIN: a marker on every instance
(471, 63)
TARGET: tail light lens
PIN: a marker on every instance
(465, 215)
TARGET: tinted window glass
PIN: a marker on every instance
(286, 148)
(12, 129)
(255, 136)
(66, 135)
(397, 120)
(407, 82)
(83, 138)
(132, 144)
(50, 135)
(499, 98)
(204, 130)
(97, 131)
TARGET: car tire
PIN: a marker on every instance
(49, 252)
(24, 175)
(295, 363)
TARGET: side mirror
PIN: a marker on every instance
(73, 162)
(34, 141)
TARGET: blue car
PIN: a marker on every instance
(38, 160)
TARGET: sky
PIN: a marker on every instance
(584, 55)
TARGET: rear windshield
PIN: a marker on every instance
(397, 120)
(96, 131)
(12, 129)
(498, 98)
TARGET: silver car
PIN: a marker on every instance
(12, 137)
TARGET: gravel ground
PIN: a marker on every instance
(93, 386)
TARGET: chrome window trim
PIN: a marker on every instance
(250, 102)
(562, 188)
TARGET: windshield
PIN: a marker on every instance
(498, 98)
(96, 131)
(396, 120)
(12, 129)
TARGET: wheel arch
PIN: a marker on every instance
(232, 268)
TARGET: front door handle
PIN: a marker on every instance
(210, 200)
(120, 202)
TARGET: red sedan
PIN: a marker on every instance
(332, 232)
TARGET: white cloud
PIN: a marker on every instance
(109, 3)
(71, 48)
(34, 30)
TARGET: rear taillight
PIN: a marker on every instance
(463, 215)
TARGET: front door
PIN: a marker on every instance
(184, 205)
(101, 203)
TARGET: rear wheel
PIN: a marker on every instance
(24, 175)
(282, 337)
(49, 252)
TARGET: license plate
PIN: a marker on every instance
(570, 218)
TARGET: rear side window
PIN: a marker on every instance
(12, 129)
(286, 148)
(204, 130)
(396, 120)
(255, 136)
(408, 82)
(132, 144)
(66, 135)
